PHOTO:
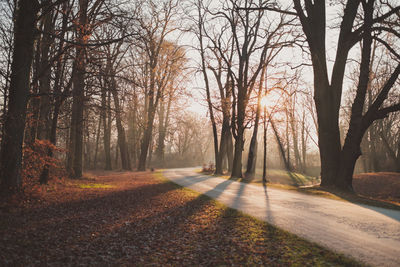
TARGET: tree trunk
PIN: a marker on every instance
(328, 136)
(264, 176)
(294, 131)
(207, 84)
(164, 114)
(59, 99)
(223, 146)
(11, 151)
(229, 150)
(161, 134)
(123, 146)
(252, 157)
(146, 139)
(391, 151)
(34, 102)
(303, 144)
(116, 156)
(237, 158)
(352, 146)
(78, 94)
(239, 138)
(132, 129)
(106, 117)
(97, 144)
(43, 130)
(280, 146)
(44, 176)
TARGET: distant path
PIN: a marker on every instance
(368, 234)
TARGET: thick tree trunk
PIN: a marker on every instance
(352, 147)
(146, 139)
(78, 94)
(239, 143)
(237, 158)
(223, 146)
(350, 153)
(11, 151)
(164, 114)
(328, 135)
(252, 157)
(241, 104)
(76, 133)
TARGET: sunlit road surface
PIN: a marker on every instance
(368, 234)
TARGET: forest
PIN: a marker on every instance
(110, 84)
(109, 108)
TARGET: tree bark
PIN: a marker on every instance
(43, 130)
(239, 138)
(106, 117)
(327, 95)
(252, 157)
(162, 129)
(280, 146)
(146, 138)
(14, 126)
(78, 94)
(352, 146)
(264, 175)
(97, 144)
(123, 146)
(59, 98)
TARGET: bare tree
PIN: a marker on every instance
(337, 162)
(153, 30)
(11, 150)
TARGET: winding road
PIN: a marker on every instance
(366, 233)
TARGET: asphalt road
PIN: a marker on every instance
(366, 233)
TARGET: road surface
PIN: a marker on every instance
(368, 234)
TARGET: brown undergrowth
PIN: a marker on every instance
(131, 218)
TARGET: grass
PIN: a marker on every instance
(96, 186)
(285, 180)
(348, 196)
(286, 177)
(263, 244)
(275, 176)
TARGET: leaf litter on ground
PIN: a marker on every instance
(140, 219)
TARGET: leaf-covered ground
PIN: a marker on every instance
(381, 185)
(139, 219)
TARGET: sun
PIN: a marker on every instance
(264, 101)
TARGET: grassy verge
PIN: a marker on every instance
(235, 238)
(331, 193)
